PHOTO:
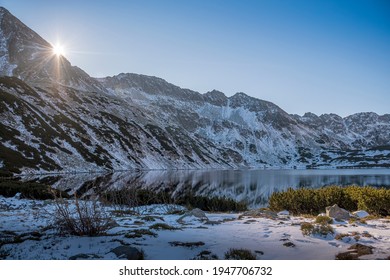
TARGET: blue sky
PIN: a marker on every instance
(319, 56)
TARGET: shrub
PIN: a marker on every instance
(307, 228)
(81, 217)
(323, 220)
(163, 226)
(316, 229)
(6, 174)
(29, 190)
(138, 233)
(212, 204)
(239, 254)
(314, 201)
(132, 197)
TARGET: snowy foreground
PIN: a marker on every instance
(270, 237)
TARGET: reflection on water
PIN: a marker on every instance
(252, 186)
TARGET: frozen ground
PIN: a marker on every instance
(26, 232)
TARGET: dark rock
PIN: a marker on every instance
(186, 244)
(355, 252)
(128, 252)
(289, 244)
(85, 257)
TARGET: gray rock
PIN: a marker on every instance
(197, 213)
(361, 214)
(128, 252)
(337, 213)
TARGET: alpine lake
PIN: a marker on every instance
(252, 186)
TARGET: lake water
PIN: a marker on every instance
(252, 186)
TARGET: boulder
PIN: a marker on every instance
(128, 252)
(284, 213)
(337, 213)
(360, 214)
(195, 213)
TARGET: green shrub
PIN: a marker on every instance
(314, 201)
(316, 229)
(29, 190)
(323, 220)
(307, 228)
(239, 254)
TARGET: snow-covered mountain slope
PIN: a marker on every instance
(55, 117)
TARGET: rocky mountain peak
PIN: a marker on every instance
(215, 97)
(126, 82)
(26, 55)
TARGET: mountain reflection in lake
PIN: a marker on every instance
(252, 186)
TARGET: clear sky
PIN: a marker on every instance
(320, 56)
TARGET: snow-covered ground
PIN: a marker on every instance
(28, 223)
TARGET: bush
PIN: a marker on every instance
(318, 229)
(132, 197)
(138, 233)
(212, 204)
(31, 190)
(6, 174)
(162, 226)
(323, 220)
(239, 254)
(314, 201)
(81, 218)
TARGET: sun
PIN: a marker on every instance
(58, 50)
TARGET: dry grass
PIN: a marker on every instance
(80, 217)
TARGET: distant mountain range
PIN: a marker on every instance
(56, 118)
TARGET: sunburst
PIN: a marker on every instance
(58, 50)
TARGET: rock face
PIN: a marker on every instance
(337, 213)
(128, 252)
(55, 117)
